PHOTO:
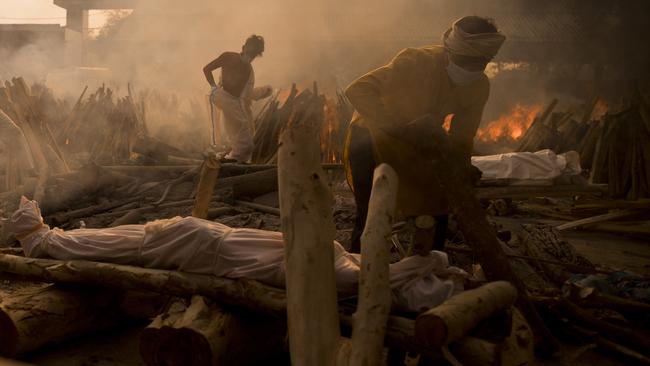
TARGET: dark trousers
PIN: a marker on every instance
(362, 166)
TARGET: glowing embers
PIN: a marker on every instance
(510, 126)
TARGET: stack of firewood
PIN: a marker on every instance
(26, 108)
(333, 118)
(615, 149)
(104, 126)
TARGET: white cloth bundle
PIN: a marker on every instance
(200, 246)
(544, 164)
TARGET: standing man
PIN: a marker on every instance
(235, 93)
(433, 81)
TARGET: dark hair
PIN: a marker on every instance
(257, 42)
(474, 25)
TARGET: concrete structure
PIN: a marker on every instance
(77, 10)
(76, 29)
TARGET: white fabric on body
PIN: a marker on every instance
(205, 247)
(544, 164)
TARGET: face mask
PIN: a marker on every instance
(460, 76)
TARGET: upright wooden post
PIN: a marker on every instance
(374, 288)
(308, 228)
(207, 182)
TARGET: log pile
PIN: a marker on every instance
(104, 126)
(27, 107)
(333, 117)
(615, 149)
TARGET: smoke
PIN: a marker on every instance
(164, 44)
(32, 60)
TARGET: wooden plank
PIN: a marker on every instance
(617, 214)
(525, 192)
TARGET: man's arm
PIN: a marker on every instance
(209, 68)
(464, 126)
(365, 93)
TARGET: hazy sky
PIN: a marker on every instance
(40, 11)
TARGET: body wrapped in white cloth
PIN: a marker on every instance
(205, 247)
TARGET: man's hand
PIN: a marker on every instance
(262, 92)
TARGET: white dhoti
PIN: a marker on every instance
(237, 124)
(237, 120)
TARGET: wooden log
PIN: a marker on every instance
(129, 218)
(452, 319)
(525, 192)
(308, 228)
(62, 217)
(454, 176)
(202, 333)
(630, 337)
(35, 317)
(616, 214)
(259, 207)
(245, 293)
(251, 185)
(63, 131)
(242, 294)
(641, 231)
(374, 289)
(207, 182)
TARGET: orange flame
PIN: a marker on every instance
(447, 124)
(600, 110)
(511, 125)
(330, 133)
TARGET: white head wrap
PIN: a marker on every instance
(459, 42)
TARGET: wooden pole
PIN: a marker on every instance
(451, 320)
(374, 289)
(308, 228)
(207, 182)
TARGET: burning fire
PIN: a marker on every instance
(447, 124)
(329, 136)
(599, 110)
(511, 125)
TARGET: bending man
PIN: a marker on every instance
(432, 81)
(235, 94)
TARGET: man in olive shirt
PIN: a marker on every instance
(433, 81)
(235, 93)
